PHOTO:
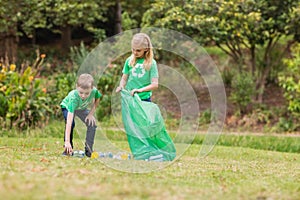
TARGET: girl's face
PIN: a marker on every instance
(84, 93)
(138, 53)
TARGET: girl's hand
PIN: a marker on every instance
(90, 120)
(119, 88)
(134, 91)
(68, 148)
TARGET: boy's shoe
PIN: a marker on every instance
(88, 153)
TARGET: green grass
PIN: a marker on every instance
(264, 142)
(32, 168)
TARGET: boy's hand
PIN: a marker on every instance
(68, 148)
(90, 120)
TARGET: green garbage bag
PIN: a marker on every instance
(145, 129)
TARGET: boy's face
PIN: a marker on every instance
(84, 93)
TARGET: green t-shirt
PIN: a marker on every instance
(73, 101)
(138, 77)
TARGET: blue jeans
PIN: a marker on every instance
(90, 133)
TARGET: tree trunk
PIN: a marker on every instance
(33, 40)
(260, 85)
(261, 81)
(269, 64)
(9, 46)
(118, 25)
(66, 38)
(253, 60)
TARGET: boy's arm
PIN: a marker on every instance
(68, 146)
(90, 118)
(95, 104)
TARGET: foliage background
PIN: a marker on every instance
(253, 42)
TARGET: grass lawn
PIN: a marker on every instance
(32, 168)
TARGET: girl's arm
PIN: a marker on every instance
(122, 82)
(152, 86)
(68, 147)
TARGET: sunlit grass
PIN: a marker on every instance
(32, 168)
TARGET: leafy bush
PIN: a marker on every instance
(106, 84)
(78, 54)
(243, 91)
(24, 99)
(289, 80)
(285, 125)
(205, 117)
(61, 85)
(227, 76)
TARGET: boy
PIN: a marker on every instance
(76, 103)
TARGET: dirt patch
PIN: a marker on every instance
(273, 99)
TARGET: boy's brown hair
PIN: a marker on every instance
(85, 81)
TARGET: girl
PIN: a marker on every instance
(147, 141)
(140, 74)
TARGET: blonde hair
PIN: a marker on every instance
(85, 81)
(142, 41)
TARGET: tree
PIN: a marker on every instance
(24, 17)
(118, 21)
(132, 12)
(32, 16)
(241, 28)
(8, 30)
(65, 15)
(19, 18)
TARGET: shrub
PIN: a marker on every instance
(205, 117)
(78, 54)
(24, 100)
(59, 89)
(106, 84)
(243, 91)
(227, 76)
(289, 80)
